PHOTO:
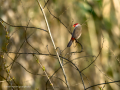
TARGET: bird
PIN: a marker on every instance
(76, 33)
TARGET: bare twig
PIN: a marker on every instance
(102, 84)
(53, 43)
(43, 68)
(46, 4)
(7, 81)
(22, 26)
(95, 58)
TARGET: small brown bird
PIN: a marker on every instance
(76, 33)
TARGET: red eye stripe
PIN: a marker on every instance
(75, 24)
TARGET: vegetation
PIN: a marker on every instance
(32, 57)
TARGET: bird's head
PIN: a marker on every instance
(75, 24)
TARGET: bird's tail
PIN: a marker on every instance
(70, 43)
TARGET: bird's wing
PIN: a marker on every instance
(77, 32)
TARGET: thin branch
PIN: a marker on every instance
(57, 18)
(73, 67)
(19, 50)
(46, 4)
(7, 81)
(32, 72)
(43, 68)
(101, 84)
(95, 58)
(105, 74)
(80, 72)
(53, 42)
(21, 26)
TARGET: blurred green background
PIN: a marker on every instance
(100, 20)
